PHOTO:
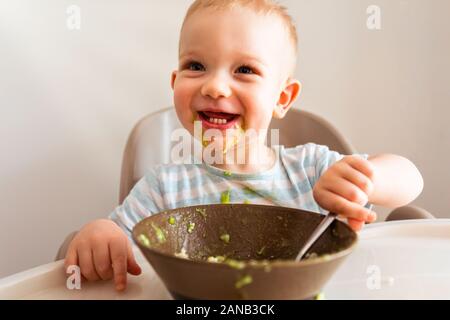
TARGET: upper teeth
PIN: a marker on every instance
(218, 121)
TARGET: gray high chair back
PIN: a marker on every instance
(150, 143)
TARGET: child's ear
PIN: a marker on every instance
(173, 78)
(287, 97)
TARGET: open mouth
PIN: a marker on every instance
(218, 119)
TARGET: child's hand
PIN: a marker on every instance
(345, 189)
(102, 251)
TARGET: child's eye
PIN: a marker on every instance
(245, 70)
(195, 66)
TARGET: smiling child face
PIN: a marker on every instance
(234, 68)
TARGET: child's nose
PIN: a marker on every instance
(216, 86)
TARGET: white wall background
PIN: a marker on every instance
(68, 99)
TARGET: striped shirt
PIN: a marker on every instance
(288, 183)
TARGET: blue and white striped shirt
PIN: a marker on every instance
(288, 183)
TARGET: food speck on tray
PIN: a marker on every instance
(320, 296)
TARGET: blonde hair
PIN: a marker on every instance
(264, 7)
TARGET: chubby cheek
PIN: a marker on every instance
(259, 109)
(182, 97)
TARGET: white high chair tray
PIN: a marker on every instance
(394, 260)
(49, 282)
(407, 259)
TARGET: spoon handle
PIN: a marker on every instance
(320, 229)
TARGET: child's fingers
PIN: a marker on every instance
(356, 225)
(86, 263)
(132, 266)
(357, 178)
(102, 261)
(339, 205)
(71, 258)
(118, 251)
(349, 191)
(362, 165)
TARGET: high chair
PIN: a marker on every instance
(150, 143)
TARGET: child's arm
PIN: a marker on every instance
(103, 248)
(396, 180)
(348, 185)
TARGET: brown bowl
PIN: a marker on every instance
(259, 244)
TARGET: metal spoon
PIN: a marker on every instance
(323, 225)
(320, 229)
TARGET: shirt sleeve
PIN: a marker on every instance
(325, 158)
(143, 200)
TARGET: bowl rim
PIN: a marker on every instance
(249, 264)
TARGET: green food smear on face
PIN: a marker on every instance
(227, 174)
(205, 141)
(190, 227)
(225, 238)
(320, 296)
(235, 264)
(225, 197)
(261, 251)
(202, 212)
(241, 129)
(159, 234)
(243, 281)
(172, 220)
(232, 142)
(144, 240)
